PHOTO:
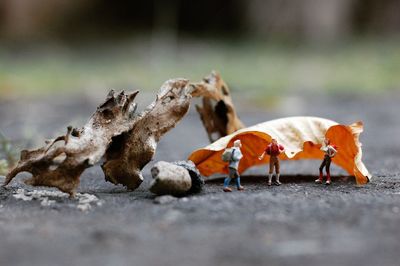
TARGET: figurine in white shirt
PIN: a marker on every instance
(235, 156)
(330, 151)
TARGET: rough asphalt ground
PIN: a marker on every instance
(298, 223)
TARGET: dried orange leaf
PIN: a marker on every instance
(302, 138)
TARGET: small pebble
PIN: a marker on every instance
(165, 199)
(184, 199)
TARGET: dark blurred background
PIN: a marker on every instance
(309, 20)
(262, 48)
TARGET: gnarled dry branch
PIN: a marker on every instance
(127, 140)
(62, 160)
(131, 151)
(218, 113)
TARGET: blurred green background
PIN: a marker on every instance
(261, 48)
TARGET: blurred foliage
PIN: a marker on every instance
(8, 155)
(257, 68)
(3, 167)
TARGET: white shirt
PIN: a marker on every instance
(329, 150)
(236, 156)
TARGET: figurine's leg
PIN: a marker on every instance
(238, 186)
(227, 181)
(237, 181)
(328, 171)
(226, 185)
(321, 168)
(277, 168)
(271, 170)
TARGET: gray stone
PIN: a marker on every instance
(170, 179)
(197, 178)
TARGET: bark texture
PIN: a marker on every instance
(131, 151)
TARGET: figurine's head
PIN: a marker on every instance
(327, 141)
(274, 141)
(237, 143)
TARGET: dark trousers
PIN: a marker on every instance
(327, 164)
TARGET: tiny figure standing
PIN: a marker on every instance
(273, 150)
(330, 152)
(234, 160)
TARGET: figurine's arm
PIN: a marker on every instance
(261, 156)
(333, 151)
(281, 148)
(239, 155)
(324, 148)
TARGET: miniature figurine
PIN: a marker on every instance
(330, 152)
(273, 150)
(234, 155)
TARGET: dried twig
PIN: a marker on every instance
(218, 113)
(131, 151)
(61, 161)
(126, 139)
